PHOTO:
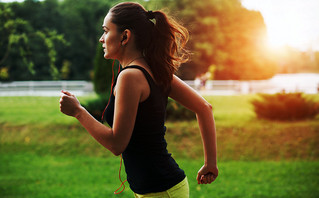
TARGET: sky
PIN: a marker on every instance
(293, 23)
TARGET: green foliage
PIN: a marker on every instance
(49, 39)
(96, 105)
(176, 111)
(285, 106)
(27, 51)
(33, 38)
(65, 69)
(82, 21)
(4, 73)
(224, 34)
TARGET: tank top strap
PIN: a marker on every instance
(149, 78)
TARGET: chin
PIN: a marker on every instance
(106, 56)
(109, 56)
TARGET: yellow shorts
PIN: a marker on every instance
(180, 190)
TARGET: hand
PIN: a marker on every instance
(207, 175)
(69, 104)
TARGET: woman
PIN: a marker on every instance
(149, 46)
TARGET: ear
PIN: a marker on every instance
(126, 37)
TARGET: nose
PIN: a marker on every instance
(101, 40)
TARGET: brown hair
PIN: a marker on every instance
(162, 42)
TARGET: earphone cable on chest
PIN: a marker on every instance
(122, 182)
(118, 71)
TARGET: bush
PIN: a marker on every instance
(96, 106)
(175, 111)
(285, 106)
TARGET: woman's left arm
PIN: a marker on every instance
(189, 98)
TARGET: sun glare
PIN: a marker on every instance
(288, 30)
(289, 22)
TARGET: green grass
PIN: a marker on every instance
(228, 110)
(29, 175)
(44, 153)
(45, 110)
(232, 110)
(31, 110)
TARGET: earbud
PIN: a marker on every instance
(124, 38)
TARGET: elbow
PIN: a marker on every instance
(118, 145)
(204, 109)
(116, 153)
(116, 150)
(209, 106)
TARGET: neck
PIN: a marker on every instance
(130, 59)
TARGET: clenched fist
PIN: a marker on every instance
(69, 104)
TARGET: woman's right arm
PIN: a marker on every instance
(190, 99)
(128, 94)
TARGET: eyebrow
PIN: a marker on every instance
(103, 26)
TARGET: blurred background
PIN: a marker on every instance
(230, 40)
(256, 61)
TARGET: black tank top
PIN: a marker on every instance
(148, 165)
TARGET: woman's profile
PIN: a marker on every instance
(149, 46)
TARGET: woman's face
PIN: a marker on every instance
(110, 39)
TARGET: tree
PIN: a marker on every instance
(64, 36)
(82, 28)
(224, 35)
(27, 53)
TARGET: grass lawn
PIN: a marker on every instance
(46, 154)
(36, 176)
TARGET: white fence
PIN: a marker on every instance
(307, 83)
(44, 88)
(302, 82)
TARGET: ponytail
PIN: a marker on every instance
(161, 39)
(166, 50)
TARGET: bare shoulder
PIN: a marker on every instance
(130, 76)
(132, 80)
